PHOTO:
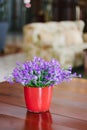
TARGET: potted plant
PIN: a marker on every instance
(3, 24)
(38, 78)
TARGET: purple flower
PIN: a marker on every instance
(40, 73)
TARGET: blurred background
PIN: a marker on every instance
(14, 15)
(17, 15)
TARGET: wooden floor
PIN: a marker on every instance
(68, 110)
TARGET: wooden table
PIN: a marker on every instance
(68, 109)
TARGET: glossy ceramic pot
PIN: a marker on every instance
(38, 99)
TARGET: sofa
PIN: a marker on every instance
(60, 40)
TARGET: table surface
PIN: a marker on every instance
(68, 109)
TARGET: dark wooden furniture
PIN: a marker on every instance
(68, 109)
(64, 9)
(83, 12)
(85, 61)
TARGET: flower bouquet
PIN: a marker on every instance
(38, 78)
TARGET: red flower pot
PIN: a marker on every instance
(38, 99)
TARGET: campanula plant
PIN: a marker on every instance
(40, 73)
